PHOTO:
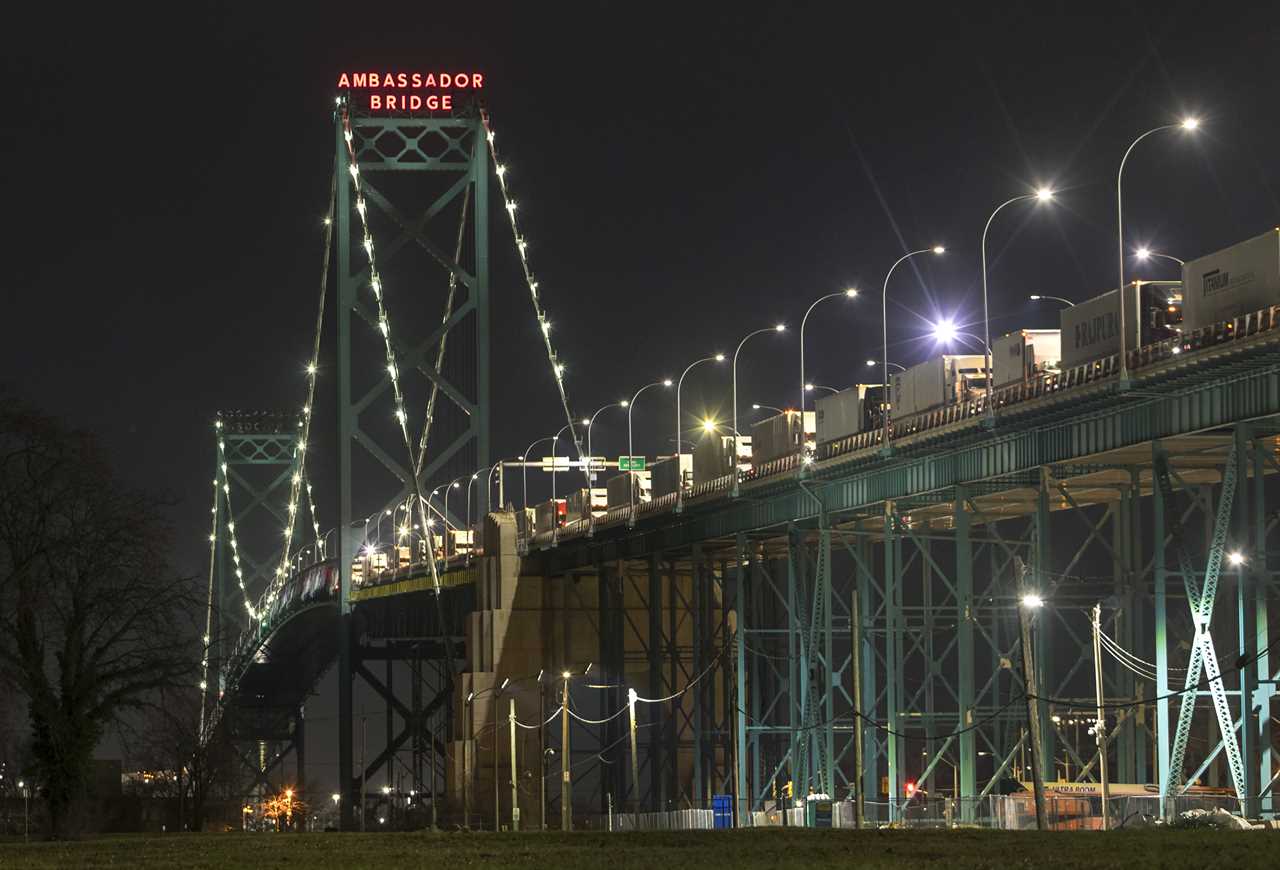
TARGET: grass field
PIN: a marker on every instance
(686, 850)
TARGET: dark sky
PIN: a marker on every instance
(684, 177)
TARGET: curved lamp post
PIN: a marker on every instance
(884, 334)
(1036, 297)
(591, 517)
(631, 484)
(1147, 253)
(733, 460)
(851, 293)
(1186, 124)
(1044, 194)
(679, 428)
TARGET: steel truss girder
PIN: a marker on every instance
(1203, 656)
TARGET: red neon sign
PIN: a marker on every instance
(410, 92)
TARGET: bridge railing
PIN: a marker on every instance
(975, 405)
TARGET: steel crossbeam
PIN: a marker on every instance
(1203, 656)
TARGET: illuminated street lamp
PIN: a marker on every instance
(524, 468)
(809, 388)
(631, 483)
(851, 293)
(554, 440)
(884, 329)
(1235, 558)
(680, 428)
(1188, 124)
(1044, 194)
(872, 363)
(1036, 297)
(1032, 601)
(756, 406)
(1147, 253)
(781, 327)
(591, 475)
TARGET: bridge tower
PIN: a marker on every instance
(254, 460)
(424, 183)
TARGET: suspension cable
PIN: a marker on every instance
(384, 326)
(304, 423)
(544, 324)
(444, 331)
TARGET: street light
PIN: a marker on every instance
(1147, 253)
(1044, 194)
(524, 468)
(554, 440)
(756, 406)
(1032, 601)
(679, 427)
(1235, 558)
(945, 332)
(631, 482)
(1188, 124)
(809, 388)
(781, 327)
(851, 293)
(871, 363)
(884, 330)
(1036, 297)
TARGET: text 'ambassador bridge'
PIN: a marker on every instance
(890, 598)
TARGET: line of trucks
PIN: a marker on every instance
(1218, 287)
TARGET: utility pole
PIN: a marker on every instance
(515, 803)
(566, 791)
(466, 765)
(635, 764)
(855, 664)
(1028, 600)
(1100, 724)
(364, 741)
(431, 742)
(542, 752)
(497, 812)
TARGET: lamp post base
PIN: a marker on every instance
(989, 419)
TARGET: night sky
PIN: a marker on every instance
(684, 177)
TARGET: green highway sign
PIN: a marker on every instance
(631, 463)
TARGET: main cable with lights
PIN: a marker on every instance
(509, 205)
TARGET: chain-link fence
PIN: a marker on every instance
(1015, 812)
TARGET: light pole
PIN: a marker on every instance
(872, 363)
(555, 438)
(756, 406)
(851, 293)
(1036, 297)
(1044, 194)
(566, 788)
(591, 422)
(591, 475)
(884, 334)
(1185, 124)
(631, 482)
(1147, 253)
(524, 469)
(809, 388)
(453, 484)
(679, 427)
(733, 460)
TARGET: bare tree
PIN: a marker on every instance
(92, 619)
(166, 738)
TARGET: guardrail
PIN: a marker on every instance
(1007, 398)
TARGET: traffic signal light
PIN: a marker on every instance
(910, 788)
(786, 789)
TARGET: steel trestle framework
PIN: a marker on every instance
(389, 150)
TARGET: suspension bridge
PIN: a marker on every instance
(848, 622)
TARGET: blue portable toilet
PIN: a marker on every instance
(722, 811)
